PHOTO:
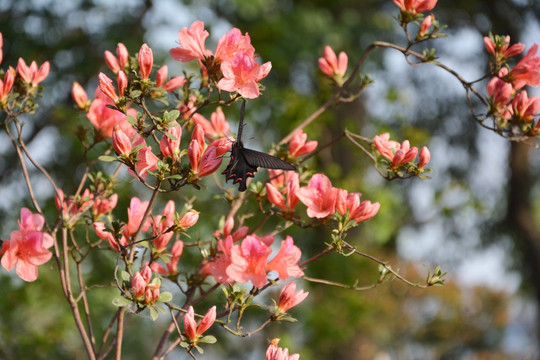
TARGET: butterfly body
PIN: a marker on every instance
(244, 162)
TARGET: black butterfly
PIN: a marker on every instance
(244, 162)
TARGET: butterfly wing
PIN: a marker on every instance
(260, 159)
(239, 169)
(244, 163)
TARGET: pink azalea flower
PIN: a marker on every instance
(73, 206)
(170, 85)
(170, 145)
(99, 227)
(415, 6)
(31, 74)
(210, 160)
(276, 197)
(239, 234)
(138, 284)
(424, 157)
(122, 82)
(136, 211)
(331, 65)
(146, 161)
(146, 61)
(276, 353)
(217, 267)
(191, 43)
(393, 151)
(104, 205)
(117, 63)
(248, 261)
(527, 70)
(503, 50)
(358, 211)
(26, 248)
(319, 196)
(500, 91)
(7, 84)
(524, 106)
(193, 332)
(159, 229)
(104, 118)
(298, 145)
(289, 297)
(233, 43)
(242, 74)
(107, 88)
(216, 128)
(285, 263)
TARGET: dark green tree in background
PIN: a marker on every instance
(466, 212)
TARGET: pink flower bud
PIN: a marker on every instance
(112, 62)
(79, 96)
(425, 156)
(189, 219)
(174, 83)
(106, 87)
(426, 24)
(138, 285)
(7, 84)
(194, 155)
(123, 55)
(122, 82)
(210, 162)
(120, 142)
(161, 75)
(146, 61)
(289, 297)
(170, 145)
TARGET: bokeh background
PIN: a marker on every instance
(477, 217)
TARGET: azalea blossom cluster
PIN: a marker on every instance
(512, 109)
(399, 158)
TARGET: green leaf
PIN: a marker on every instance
(131, 120)
(121, 301)
(153, 313)
(107, 158)
(165, 297)
(125, 275)
(209, 339)
(135, 93)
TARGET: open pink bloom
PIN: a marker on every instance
(505, 50)
(500, 91)
(524, 106)
(99, 227)
(285, 263)
(136, 211)
(31, 74)
(26, 248)
(248, 261)
(393, 151)
(170, 85)
(104, 118)
(216, 128)
(415, 6)
(146, 61)
(424, 157)
(190, 325)
(7, 84)
(172, 265)
(319, 197)
(117, 63)
(332, 65)
(146, 161)
(160, 225)
(298, 145)
(170, 145)
(527, 70)
(217, 267)
(276, 197)
(289, 297)
(104, 205)
(242, 73)
(276, 353)
(191, 43)
(358, 211)
(232, 43)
